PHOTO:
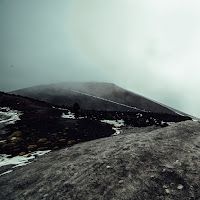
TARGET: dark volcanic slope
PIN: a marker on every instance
(66, 94)
(41, 127)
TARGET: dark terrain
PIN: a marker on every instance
(70, 92)
(41, 126)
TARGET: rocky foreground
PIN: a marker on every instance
(140, 163)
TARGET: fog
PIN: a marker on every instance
(149, 47)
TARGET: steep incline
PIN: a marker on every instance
(160, 164)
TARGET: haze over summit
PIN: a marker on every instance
(151, 48)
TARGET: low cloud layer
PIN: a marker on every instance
(149, 47)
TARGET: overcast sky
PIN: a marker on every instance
(151, 47)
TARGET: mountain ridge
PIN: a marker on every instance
(59, 93)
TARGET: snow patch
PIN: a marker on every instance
(6, 172)
(117, 124)
(179, 113)
(69, 115)
(9, 116)
(171, 123)
(18, 161)
(60, 108)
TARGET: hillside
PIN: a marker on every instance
(41, 126)
(91, 95)
(95, 154)
(161, 164)
(27, 125)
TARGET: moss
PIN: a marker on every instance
(48, 143)
(8, 146)
(15, 134)
(32, 147)
(2, 144)
(17, 140)
(62, 140)
(22, 153)
(56, 148)
(70, 142)
(42, 140)
(42, 148)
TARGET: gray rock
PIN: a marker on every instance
(151, 163)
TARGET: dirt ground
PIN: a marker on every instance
(139, 164)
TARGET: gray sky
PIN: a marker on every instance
(150, 47)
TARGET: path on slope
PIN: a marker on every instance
(111, 101)
(138, 164)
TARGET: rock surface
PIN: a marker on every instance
(140, 163)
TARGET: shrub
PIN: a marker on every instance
(31, 147)
(48, 143)
(22, 153)
(56, 148)
(15, 134)
(42, 148)
(2, 144)
(17, 140)
(8, 146)
(42, 140)
(62, 140)
(70, 142)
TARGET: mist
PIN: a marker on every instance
(149, 47)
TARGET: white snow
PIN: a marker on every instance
(167, 191)
(82, 117)
(117, 124)
(162, 122)
(171, 123)
(69, 115)
(179, 113)
(18, 161)
(6, 172)
(60, 108)
(180, 187)
(9, 116)
(121, 104)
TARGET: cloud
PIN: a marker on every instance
(150, 47)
